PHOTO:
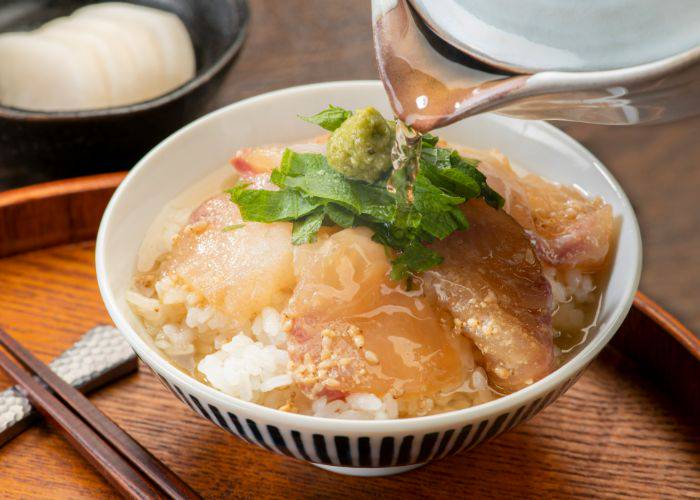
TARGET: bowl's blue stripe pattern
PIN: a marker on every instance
(386, 452)
(296, 435)
(446, 436)
(364, 451)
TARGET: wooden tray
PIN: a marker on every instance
(627, 427)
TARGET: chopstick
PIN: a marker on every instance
(115, 454)
(104, 458)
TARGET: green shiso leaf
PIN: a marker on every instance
(258, 205)
(440, 212)
(340, 216)
(416, 258)
(310, 174)
(330, 118)
(305, 230)
(311, 194)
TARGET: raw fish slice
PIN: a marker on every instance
(568, 229)
(492, 283)
(166, 31)
(42, 75)
(256, 257)
(148, 64)
(239, 271)
(264, 159)
(116, 59)
(355, 330)
(254, 161)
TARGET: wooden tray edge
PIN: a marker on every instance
(61, 188)
(54, 213)
(668, 322)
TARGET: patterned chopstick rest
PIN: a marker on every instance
(99, 357)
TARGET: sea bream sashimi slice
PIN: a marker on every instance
(253, 161)
(239, 268)
(492, 283)
(356, 330)
(568, 229)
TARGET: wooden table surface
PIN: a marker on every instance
(612, 434)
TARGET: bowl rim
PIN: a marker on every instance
(484, 410)
(9, 112)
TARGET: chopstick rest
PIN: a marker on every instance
(99, 357)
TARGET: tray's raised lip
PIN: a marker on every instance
(107, 183)
(668, 322)
(61, 188)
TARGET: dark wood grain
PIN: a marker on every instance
(110, 464)
(122, 461)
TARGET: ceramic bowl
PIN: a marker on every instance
(73, 143)
(350, 446)
(565, 35)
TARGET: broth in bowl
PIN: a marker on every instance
(293, 278)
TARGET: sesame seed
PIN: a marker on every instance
(289, 407)
(371, 357)
(359, 340)
(331, 382)
(326, 343)
(397, 393)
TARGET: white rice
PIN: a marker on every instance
(357, 406)
(245, 368)
(570, 285)
(253, 364)
(250, 365)
(572, 292)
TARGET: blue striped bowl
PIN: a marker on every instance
(364, 451)
(350, 446)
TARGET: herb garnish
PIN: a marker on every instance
(330, 118)
(312, 194)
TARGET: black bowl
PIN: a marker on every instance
(74, 143)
